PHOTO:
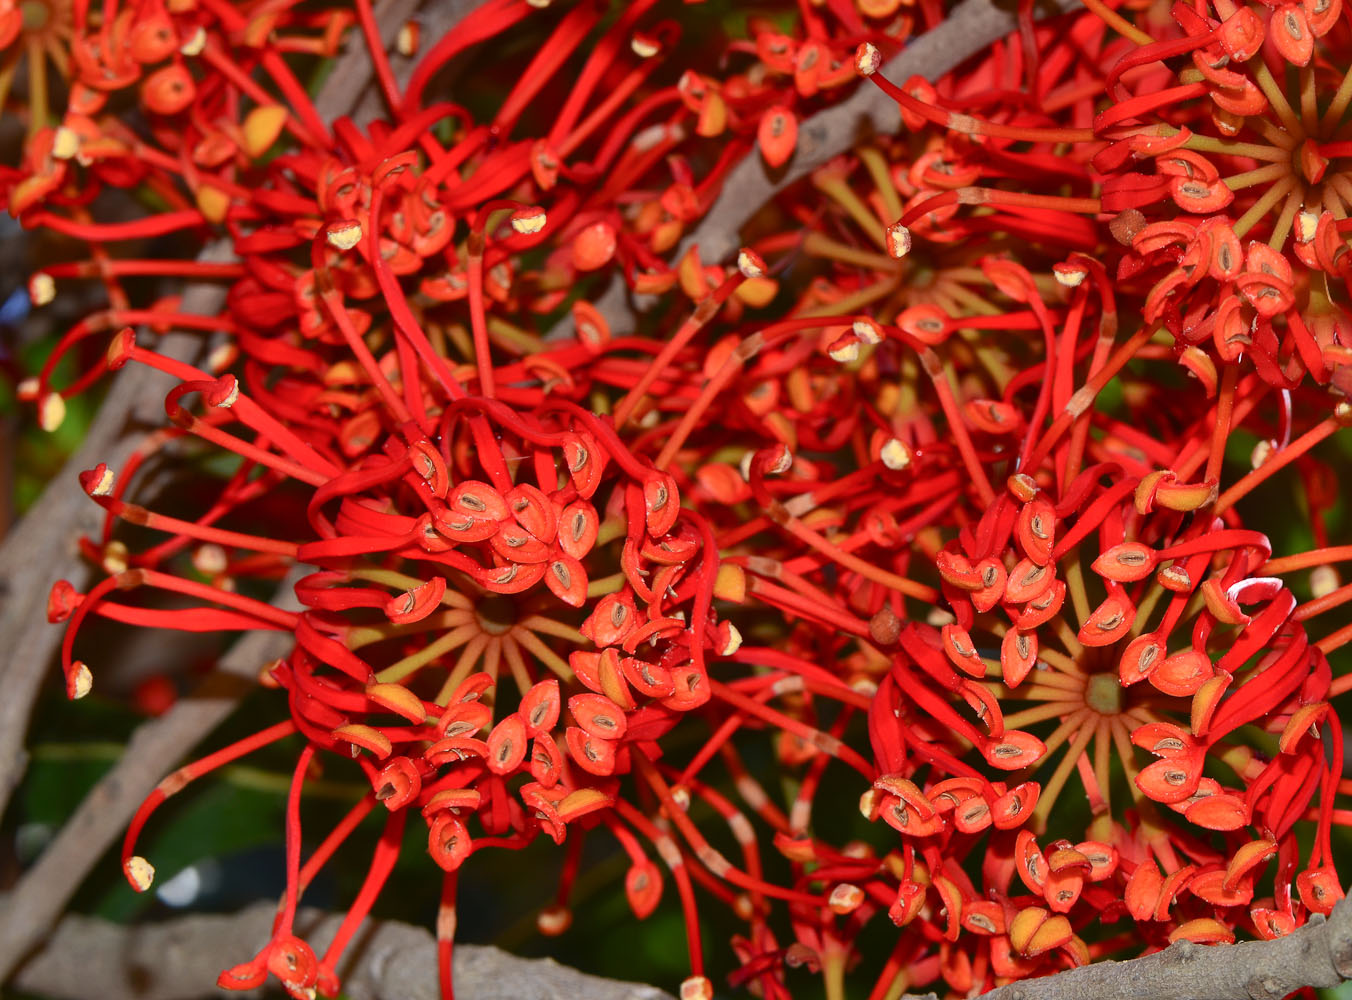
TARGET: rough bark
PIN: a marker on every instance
(179, 960)
(43, 548)
(388, 960)
(970, 27)
(1318, 954)
(154, 749)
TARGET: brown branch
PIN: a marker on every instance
(1318, 954)
(179, 960)
(348, 84)
(968, 28)
(45, 889)
(388, 960)
(43, 549)
(435, 21)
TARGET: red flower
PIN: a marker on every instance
(987, 552)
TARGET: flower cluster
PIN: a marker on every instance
(946, 482)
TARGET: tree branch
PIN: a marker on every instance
(43, 549)
(968, 28)
(435, 20)
(46, 888)
(1318, 954)
(179, 960)
(348, 84)
(388, 960)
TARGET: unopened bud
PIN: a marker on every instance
(1021, 486)
(65, 144)
(697, 988)
(1324, 580)
(81, 681)
(528, 221)
(644, 46)
(867, 331)
(898, 241)
(869, 802)
(845, 898)
(230, 396)
(844, 349)
(407, 41)
(210, 559)
(51, 411)
(743, 908)
(102, 486)
(782, 463)
(1070, 275)
(196, 42)
(221, 357)
(895, 455)
(867, 59)
(734, 642)
(344, 235)
(41, 289)
(267, 678)
(140, 872)
(116, 556)
(938, 617)
(553, 920)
